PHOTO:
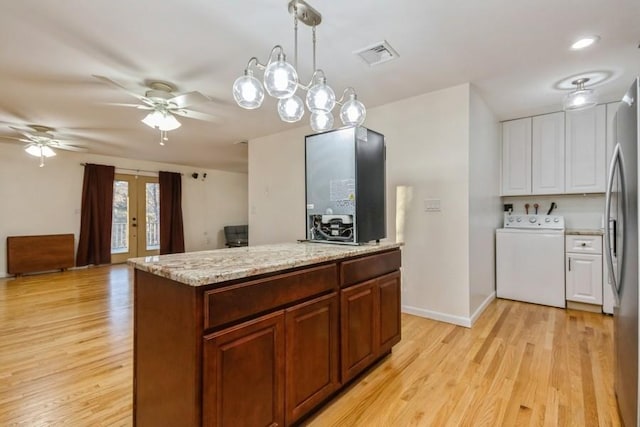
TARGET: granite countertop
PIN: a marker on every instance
(584, 231)
(220, 265)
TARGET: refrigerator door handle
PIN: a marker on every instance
(616, 160)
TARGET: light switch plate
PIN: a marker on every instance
(432, 205)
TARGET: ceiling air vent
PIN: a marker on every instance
(377, 53)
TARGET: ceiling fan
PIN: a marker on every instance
(164, 104)
(41, 141)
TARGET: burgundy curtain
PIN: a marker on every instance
(171, 228)
(94, 243)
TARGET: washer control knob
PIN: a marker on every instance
(519, 219)
(533, 220)
(547, 220)
(556, 220)
(510, 219)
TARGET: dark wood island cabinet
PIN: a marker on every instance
(258, 336)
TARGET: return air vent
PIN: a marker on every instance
(377, 53)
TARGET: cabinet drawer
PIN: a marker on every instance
(369, 267)
(584, 244)
(225, 305)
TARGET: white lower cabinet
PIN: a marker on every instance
(584, 269)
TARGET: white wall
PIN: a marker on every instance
(485, 208)
(427, 156)
(427, 140)
(47, 200)
(276, 187)
(583, 211)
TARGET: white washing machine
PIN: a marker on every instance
(530, 259)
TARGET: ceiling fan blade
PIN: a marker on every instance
(190, 98)
(63, 146)
(118, 85)
(13, 138)
(139, 106)
(196, 115)
(22, 132)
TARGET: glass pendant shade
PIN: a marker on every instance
(161, 120)
(248, 91)
(321, 121)
(353, 112)
(321, 97)
(280, 78)
(291, 109)
(39, 151)
(581, 98)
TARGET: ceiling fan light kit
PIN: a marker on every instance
(161, 120)
(281, 81)
(581, 98)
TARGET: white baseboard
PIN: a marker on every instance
(483, 307)
(467, 322)
(436, 315)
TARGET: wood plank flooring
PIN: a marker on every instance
(66, 359)
(66, 348)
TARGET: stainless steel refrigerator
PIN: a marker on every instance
(621, 241)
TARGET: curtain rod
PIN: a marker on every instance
(132, 170)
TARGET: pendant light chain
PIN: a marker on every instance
(314, 48)
(295, 37)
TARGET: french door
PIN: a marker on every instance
(135, 228)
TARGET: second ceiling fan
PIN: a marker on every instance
(164, 104)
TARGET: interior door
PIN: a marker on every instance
(135, 229)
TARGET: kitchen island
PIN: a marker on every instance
(258, 335)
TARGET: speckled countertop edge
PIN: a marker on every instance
(220, 265)
(584, 231)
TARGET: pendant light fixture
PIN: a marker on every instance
(281, 81)
(580, 98)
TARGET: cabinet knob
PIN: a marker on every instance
(584, 244)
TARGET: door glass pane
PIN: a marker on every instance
(120, 221)
(152, 205)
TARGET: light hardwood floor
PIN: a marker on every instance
(66, 359)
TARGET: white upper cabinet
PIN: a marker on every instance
(585, 148)
(548, 153)
(516, 157)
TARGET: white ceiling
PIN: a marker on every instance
(515, 52)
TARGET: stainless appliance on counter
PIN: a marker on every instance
(621, 241)
(345, 186)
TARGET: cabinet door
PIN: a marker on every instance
(389, 313)
(584, 278)
(516, 157)
(586, 150)
(243, 374)
(547, 147)
(358, 327)
(311, 354)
